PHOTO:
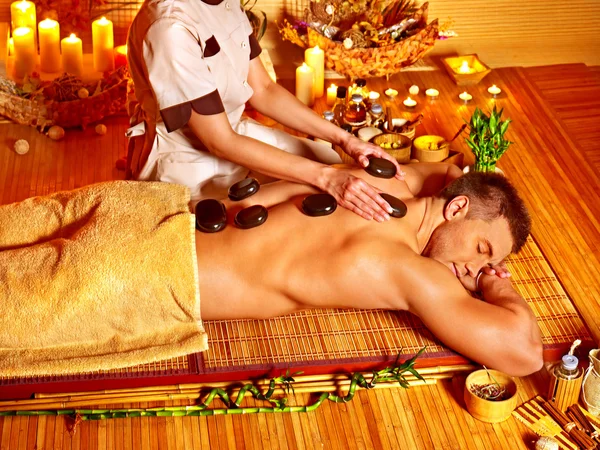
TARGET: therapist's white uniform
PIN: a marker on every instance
(186, 54)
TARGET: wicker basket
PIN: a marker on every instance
(77, 113)
(402, 153)
(375, 61)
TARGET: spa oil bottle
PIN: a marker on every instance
(565, 380)
(375, 118)
(339, 107)
(356, 112)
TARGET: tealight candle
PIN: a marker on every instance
(315, 58)
(305, 80)
(494, 90)
(72, 55)
(121, 56)
(331, 94)
(373, 96)
(413, 90)
(465, 97)
(25, 54)
(22, 14)
(464, 68)
(49, 32)
(391, 93)
(409, 102)
(432, 94)
(102, 45)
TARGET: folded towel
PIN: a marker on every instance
(100, 277)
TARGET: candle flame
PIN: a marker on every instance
(22, 31)
(103, 21)
(48, 23)
(23, 5)
(464, 68)
(72, 37)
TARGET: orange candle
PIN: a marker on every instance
(103, 45)
(121, 56)
(72, 55)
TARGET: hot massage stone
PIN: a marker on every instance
(398, 206)
(211, 216)
(381, 168)
(251, 217)
(243, 189)
(317, 205)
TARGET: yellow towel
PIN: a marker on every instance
(98, 278)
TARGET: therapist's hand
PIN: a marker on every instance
(360, 151)
(355, 194)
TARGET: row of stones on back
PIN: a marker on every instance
(211, 214)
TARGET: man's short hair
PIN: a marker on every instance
(491, 196)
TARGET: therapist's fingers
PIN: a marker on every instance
(358, 194)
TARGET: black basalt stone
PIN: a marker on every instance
(317, 205)
(211, 216)
(251, 217)
(381, 168)
(398, 206)
(243, 189)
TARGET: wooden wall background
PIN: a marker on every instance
(503, 32)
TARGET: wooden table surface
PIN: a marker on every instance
(552, 162)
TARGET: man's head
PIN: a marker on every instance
(484, 221)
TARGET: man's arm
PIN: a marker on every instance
(427, 179)
(500, 332)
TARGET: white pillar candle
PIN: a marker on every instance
(49, 32)
(331, 94)
(72, 55)
(22, 14)
(25, 54)
(315, 58)
(305, 80)
(103, 45)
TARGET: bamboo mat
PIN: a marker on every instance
(326, 340)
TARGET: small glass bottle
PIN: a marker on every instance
(339, 107)
(376, 116)
(361, 88)
(356, 112)
(565, 383)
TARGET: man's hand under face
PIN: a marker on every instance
(471, 284)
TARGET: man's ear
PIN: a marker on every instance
(457, 208)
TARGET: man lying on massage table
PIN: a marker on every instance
(422, 263)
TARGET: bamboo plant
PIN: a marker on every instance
(395, 373)
(486, 138)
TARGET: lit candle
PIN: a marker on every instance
(391, 93)
(413, 90)
(315, 58)
(494, 90)
(102, 45)
(331, 94)
(465, 97)
(305, 80)
(49, 32)
(121, 56)
(464, 68)
(25, 54)
(432, 94)
(22, 14)
(72, 55)
(373, 96)
(11, 46)
(409, 102)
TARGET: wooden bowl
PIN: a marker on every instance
(453, 64)
(422, 149)
(488, 410)
(402, 153)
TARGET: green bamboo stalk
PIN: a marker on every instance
(386, 375)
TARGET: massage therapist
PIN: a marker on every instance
(194, 65)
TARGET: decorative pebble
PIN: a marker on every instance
(211, 216)
(381, 168)
(546, 443)
(21, 146)
(398, 206)
(413, 90)
(243, 189)
(251, 217)
(100, 129)
(56, 133)
(317, 205)
(83, 93)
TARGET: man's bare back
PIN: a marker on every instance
(295, 262)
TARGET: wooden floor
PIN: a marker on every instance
(551, 163)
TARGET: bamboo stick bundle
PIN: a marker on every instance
(578, 413)
(569, 426)
(425, 372)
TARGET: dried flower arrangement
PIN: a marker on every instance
(66, 101)
(491, 391)
(366, 38)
